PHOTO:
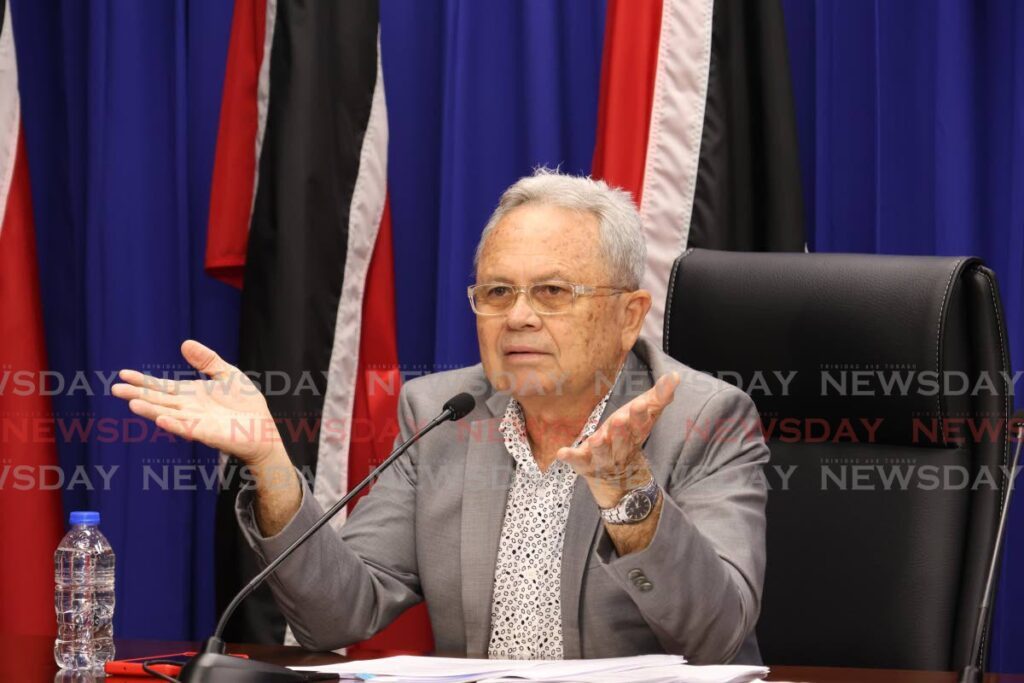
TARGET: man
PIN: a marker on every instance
(584, 508)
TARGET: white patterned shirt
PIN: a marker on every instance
(526, 609)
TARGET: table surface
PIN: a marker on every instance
(29, 659)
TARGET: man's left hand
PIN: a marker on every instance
(612, 459)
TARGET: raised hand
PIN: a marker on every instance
(612, 459)
(226, 412)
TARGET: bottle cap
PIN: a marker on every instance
(85, 517)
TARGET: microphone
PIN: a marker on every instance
(459, 406)
(213, 665)
(971, 673)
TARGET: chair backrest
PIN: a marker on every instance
(883, 387)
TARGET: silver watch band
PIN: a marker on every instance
(619, 515)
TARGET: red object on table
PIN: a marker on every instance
(133, 667)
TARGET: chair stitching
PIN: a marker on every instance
(671, 290)
(1004, 361)
(938, 339)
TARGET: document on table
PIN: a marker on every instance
(640, 669)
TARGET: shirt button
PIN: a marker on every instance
(635, 574)
(644, 586)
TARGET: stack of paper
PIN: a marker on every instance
(641, 669)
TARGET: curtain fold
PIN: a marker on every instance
(478, 95)
(120, 103)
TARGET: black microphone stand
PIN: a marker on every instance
(212, 665)
(972, 671)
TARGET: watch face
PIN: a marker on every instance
(637, 507)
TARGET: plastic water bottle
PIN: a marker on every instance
(84, 596)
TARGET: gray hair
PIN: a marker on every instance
(619, 227)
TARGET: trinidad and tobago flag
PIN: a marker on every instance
(299, 219)
(694, 117)
(30, 516)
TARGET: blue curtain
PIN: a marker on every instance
(120, 103)
(911, 124)
(479, 93)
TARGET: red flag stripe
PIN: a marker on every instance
(628, 67)
(242, 120)
(653, 91)
(30, 516)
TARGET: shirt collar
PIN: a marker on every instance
(513, 425)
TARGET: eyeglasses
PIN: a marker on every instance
(545, 298)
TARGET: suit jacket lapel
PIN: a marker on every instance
(584, 524)
(488, 476)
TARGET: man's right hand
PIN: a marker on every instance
(226, 412)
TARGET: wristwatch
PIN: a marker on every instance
(635, 506)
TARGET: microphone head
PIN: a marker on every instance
(460, 405)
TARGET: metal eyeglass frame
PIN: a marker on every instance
(577, 289)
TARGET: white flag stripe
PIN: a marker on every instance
(10, 110)
(263, 97)
(673, 146)
(365, 213)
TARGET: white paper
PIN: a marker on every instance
(674, 673)
(410, 668)
(640, 669)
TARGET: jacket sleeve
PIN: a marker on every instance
(698, 583)
(340, 588)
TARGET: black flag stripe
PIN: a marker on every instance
(323, 68)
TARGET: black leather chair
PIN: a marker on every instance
(877, 550)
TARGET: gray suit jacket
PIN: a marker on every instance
(429, 529)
